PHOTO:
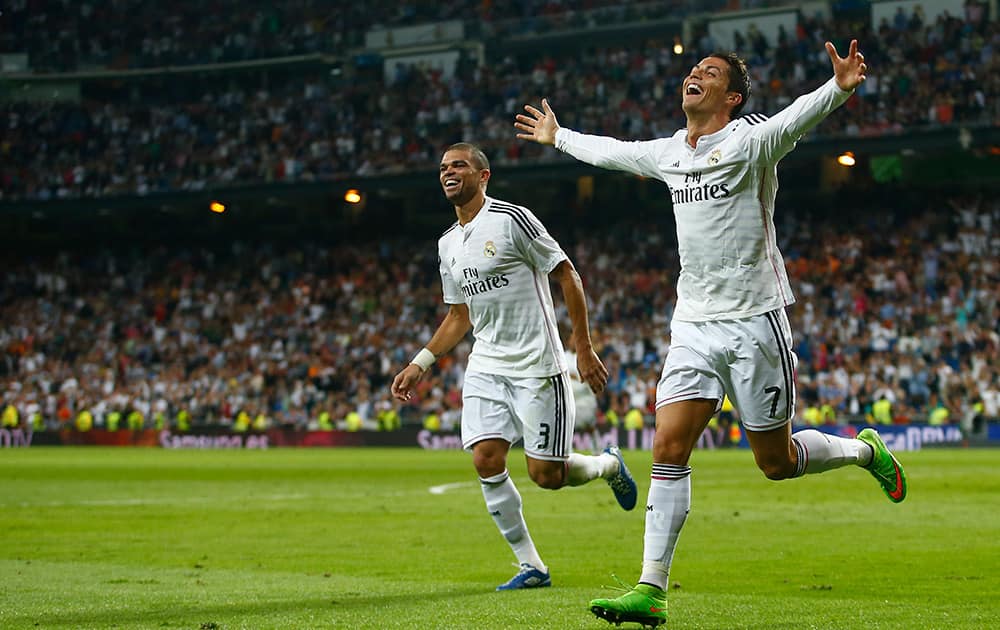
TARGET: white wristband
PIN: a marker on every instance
(424, 359)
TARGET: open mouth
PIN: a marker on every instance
(451, 184)
(693, 88)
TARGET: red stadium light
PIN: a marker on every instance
(352, 196)
(217, 207)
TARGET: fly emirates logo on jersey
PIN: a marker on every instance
(474, 285)
(694, 190)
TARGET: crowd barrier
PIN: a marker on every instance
(911, 437)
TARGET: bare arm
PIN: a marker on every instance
(452, 329)
(592, 371)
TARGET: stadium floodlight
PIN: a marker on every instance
(846, 159)
(678, 46)
(352, 196)
(217, 207)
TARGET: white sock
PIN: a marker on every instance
(504, 503)
(583, 468)
(819, 452)
(666, 510)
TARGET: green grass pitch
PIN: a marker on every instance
(353, 538)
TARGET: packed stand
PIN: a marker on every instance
(300, 127)
(897, 320)
(66, 35)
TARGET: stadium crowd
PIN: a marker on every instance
(898, 319)
(295, 127)
(65, 35)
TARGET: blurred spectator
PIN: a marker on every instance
(302, 127)
(281, 334)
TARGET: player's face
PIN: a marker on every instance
(706, 87)
(460, 179)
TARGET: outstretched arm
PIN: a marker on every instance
(592, 371)
(541, 126)
(456, 323)
(778, 135)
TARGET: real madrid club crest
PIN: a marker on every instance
(490, 250)
(714, 157)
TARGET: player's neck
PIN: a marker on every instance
(698, 126)
(468, 211)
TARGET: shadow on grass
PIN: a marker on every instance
(221, 615)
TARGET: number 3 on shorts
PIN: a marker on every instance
(543, 432)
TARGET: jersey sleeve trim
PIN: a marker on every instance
(520, 218)
(753, 118)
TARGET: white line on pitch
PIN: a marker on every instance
(449, 486)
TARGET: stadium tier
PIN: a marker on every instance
(307, 122)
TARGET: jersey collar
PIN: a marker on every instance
(482, 211)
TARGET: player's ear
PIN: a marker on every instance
(484, 176)
(734, 98)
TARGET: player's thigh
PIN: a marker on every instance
(762, 373)
(487, 412)
(547, 415)
(689, 392)
(678, 427)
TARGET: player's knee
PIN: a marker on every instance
(489, 466)
(670, 451)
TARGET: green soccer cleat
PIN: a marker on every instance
(884, 466)
(644, 604)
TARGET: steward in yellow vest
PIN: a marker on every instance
(135, 420)
(432, 422)
(353, 421)
(242, 422)
(324, 422)
(882, 411)
(633, 419)
(84, 421)
(10, 417)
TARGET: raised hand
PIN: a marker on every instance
(849, 71)
(538, 126)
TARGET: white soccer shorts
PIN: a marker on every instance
(751, 359)
(541, 410)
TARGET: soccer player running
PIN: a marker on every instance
(729, 333)
(495, 264)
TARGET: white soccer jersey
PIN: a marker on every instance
(499, 264)
(723, 195)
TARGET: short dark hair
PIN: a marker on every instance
(739, 79)
(479, 159)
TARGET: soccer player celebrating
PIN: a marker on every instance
(495, 263)
(729, 333)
